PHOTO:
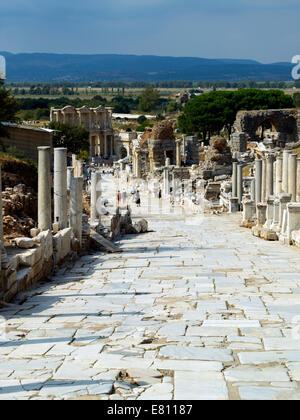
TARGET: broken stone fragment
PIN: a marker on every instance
(55, 228)
(25, 243)
(141, 226)
(34, 232)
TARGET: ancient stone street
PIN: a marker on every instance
(197, 309)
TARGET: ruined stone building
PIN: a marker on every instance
(161, 145)
(98, 121)
(123, 143)
(280, 126)
(26, 139)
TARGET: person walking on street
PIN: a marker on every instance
(138, 199)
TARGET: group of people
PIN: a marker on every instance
(135, 196)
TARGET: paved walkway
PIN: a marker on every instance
(196, 309)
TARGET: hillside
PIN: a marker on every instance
(109, 67)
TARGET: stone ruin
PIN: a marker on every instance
(216, 159)
(278, 125)
(161, 145)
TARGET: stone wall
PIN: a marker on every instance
(284, 122)
(27, 139)
(26, 267)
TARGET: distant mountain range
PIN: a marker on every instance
(112, 67)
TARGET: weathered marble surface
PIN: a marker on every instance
(197, 309)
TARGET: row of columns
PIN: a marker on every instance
(101, 145)
(274, 209)
(276, 176)
(63, 180)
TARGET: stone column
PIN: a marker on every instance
(95, 197)
(111, 145)
(44, 188)
(284, 199)
(60, 187)
(249, 213)
(240, 183)
(261, 214)
(263, 181)
(92, 146)
(70, 174)
(269, 176)
(285, 171)
(234, 179)
(298, 181)
(292, 181)
(76, 207)
(293, 220)
(278, 176)
(166, 184)
(270, 212)
(234, 205)
(252, 190)
(178, 152)
(258, 176)
(79, 168)
(105, 145)
(276, 216)
(173, 185)
(138, 173)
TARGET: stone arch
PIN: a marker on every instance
(123, 152)
(282, 121)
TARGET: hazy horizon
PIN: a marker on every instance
(266, 31)
(141, 55)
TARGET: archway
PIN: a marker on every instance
(266, 129)
(123, 153)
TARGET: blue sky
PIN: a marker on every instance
(265, 30)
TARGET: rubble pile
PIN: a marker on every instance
(19, 211)
(216, 159)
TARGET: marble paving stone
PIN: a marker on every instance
(264, 393)
(158, 392)
(196, 353)
(194, 386)
(294, 369)
(259, 374)
(281, 344)
(257, 358)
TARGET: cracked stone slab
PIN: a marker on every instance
(196, 386)
(258, 374)
(196, 353)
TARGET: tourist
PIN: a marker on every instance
(118, 198)
(138, 199)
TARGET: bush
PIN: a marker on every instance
(141, 119)
(14, 152)
(83, 155)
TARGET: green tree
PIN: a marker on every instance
(8, 108)
(173, 106)
(149, 99)
(209, 113)
(75, 139)
(141, 119)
